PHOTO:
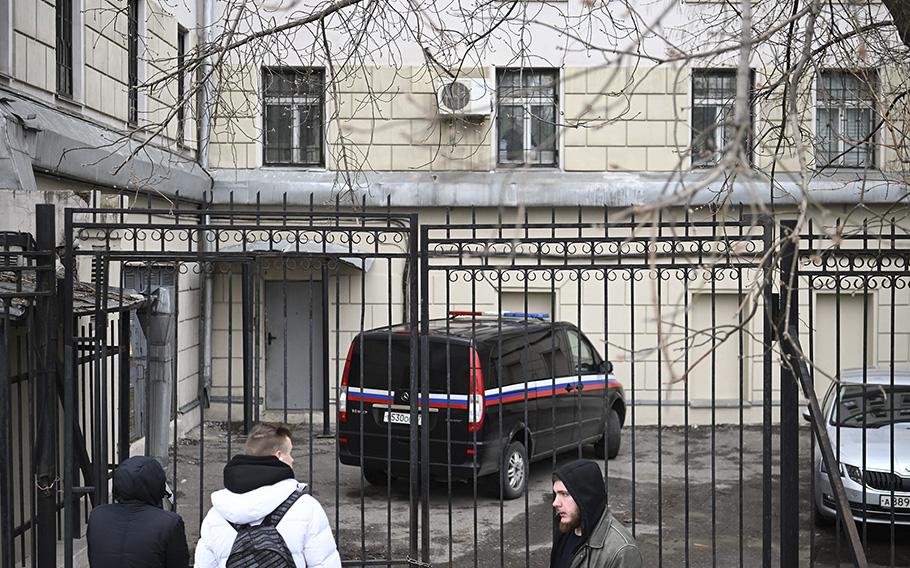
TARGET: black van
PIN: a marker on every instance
(495, 383)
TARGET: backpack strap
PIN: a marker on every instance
(273, 518)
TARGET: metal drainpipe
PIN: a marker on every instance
(205, 115)
(159, 325)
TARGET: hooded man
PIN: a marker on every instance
(585, 533)
(135, 532)
(258, 484)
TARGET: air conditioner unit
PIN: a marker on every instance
(465, 97)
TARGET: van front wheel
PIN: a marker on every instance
(514, 470)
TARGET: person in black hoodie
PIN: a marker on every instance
(135, 532)
(585, 533)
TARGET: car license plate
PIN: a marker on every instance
(899, 502)
(399, 418)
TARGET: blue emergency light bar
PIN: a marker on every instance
(455, 313)
(539, 315)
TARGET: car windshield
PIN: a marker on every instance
(871, 406)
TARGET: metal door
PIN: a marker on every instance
(294, 340)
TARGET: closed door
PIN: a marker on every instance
(295, 343)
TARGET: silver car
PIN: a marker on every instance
(858, 416)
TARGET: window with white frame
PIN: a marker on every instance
(713, 111)
(292, 120)
(845, 118)
(527, 110)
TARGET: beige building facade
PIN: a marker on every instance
(110, 123)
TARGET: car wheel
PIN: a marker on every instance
(820, 519)
(613, 435)
(375, 476)
(514, 471)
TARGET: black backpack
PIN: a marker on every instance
(261, 546)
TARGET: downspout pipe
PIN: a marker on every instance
(206, 101)
(158, 321)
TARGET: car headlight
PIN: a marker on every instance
(854, 473)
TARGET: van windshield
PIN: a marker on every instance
(388, 364)
(872, 407)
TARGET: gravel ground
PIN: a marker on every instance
(468, 529)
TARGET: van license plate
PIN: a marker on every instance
(898, 503)
(399, 418)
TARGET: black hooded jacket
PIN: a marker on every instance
(135, 532)
(604, 542)
(584, 481)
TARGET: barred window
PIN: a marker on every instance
(132, 33)
(64, 16)
(845, 118)
(293, 116)
(526, 117)
(713, 115)
(182, 36)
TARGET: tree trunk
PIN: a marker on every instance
(900, 11)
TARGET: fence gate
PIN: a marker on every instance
(273, 298)
(434, 376)
(686, 309)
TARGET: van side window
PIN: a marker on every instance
(582, 354)
(512, 365)
(555, 354)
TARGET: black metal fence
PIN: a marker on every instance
(671, 350)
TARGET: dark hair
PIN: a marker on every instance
(266, 438)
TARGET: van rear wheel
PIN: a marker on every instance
(613, 437)
(513, 470)
(375, 476)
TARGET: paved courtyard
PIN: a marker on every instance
(372, 522)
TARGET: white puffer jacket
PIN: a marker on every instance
(305, 527)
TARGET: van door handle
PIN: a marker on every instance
(569, 387)
(580, 386)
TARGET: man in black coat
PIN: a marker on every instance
(585, 533)
(135, 532)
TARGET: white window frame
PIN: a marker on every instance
(841, 122)
(296, 102)
(718, 132)
(525, 103)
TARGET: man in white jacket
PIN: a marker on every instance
(256, 483)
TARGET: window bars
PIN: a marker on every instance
(527, 117)
(293, 116)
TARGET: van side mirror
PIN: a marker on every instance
(606, 367)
